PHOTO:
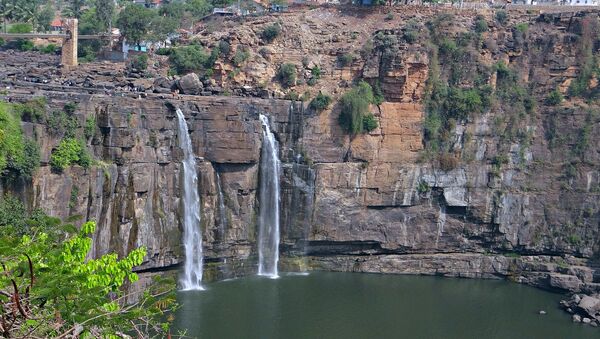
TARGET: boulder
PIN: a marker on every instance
(190, 84)
(162, 85)
(586, 320)
(589, 305)
(576, 318)
(564, 282)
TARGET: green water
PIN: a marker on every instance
(355, 305)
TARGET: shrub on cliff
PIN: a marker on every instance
(139, 62)
(70, 151)
(320, 102)
(270, 33)
(554, 98)
(287, 75)
(187, 59)
(19, 156)
(501, 17)
(354, 116)
(345, 59)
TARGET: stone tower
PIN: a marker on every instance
(69, 48)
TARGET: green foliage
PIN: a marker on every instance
(501, 17)
(24, 45)
(192, 58)
(134, 22)
(389, 17)
(62, 123)
(481, 25)
(49, 49)
(270, 33)
(68, 152)
(139, 62)
(73, 198)
(355, 107)
(378, 97)
(320, 102)
(59, 289)
(316, 72)
(163, 51)
(242, 54)
(287, 75)
(423, 187)
(19, 28)
(105, 10)
(19, 156)
(369, 122)
(580, 86)
(554, 98)
(345, 59)
(522, 27)
(224, 47)
(90, 127)
(582, 142)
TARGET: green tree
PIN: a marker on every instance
(74, 9)
(134, 22)
(61, 294)
(287, 74)
(45, 17)
(105, 9)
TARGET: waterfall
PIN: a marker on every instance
(192, 236)
(268, 232)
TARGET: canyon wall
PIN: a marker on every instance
(370, 202)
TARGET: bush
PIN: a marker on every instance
(369, 122)
(140, 62)
(320, 102)
(70, 151)
(224, 47)
(316, 72)
(163, 51)
(410, 36)
(1, 41)
(242, 54)
(20, 28)
(389, 17)
(90, 127)
(522, 27)
(24, 45)
(481, 25)
(554, 98)
(49, 49)
(19, 156)
(345, 59)
(501, 17)
(287, 75)
(355, 106)
(270, 33)
(188, 59)
(61, 123)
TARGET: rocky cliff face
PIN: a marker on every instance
(523, 207)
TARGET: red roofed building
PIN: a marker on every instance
(56, 25)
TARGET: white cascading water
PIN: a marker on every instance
(192, 236)
(268, 232)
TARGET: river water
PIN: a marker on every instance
(357, 305)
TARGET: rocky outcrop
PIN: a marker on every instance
(525, 209)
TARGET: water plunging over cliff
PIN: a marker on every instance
(192, 236)
(268, 232)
